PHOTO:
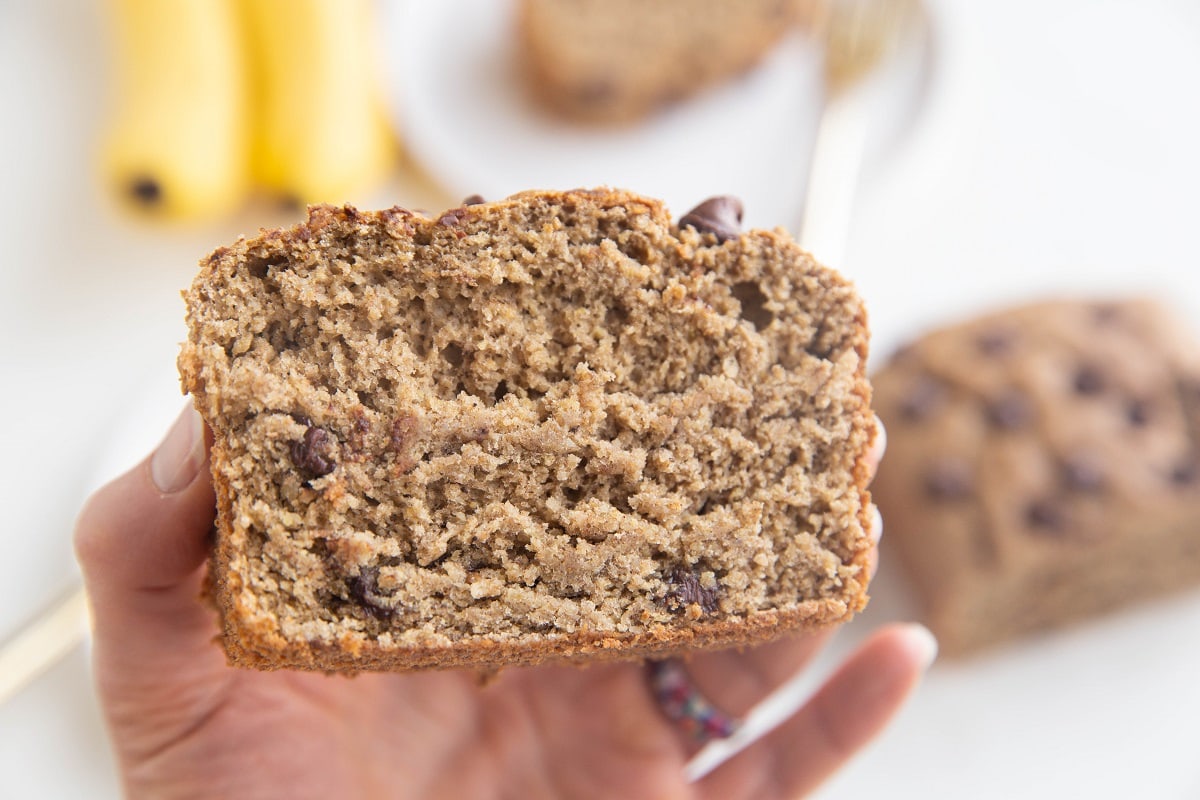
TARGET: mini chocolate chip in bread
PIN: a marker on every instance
(556, 426)
(1040, 466)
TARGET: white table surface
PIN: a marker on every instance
(1057, 154)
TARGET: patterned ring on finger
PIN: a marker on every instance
(684, 704)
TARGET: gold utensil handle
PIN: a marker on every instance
(859, 36)
(41, 643)
(837, 159)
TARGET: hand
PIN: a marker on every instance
(184, 724)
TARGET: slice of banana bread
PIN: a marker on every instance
(618, 60)
(555, 426)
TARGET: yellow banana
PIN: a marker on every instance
(321, 134)
(179, 145)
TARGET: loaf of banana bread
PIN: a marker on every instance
(1043, 466)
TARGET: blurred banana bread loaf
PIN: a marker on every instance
(617, 60)
(1042, 466)
(557, 426)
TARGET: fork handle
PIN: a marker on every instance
(43, 642)
(837, 161)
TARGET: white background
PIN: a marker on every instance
(1056, 154)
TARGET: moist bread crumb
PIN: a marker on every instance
(553, 427)
(1042, 466)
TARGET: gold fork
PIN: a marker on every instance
(40, 645)
(860, 39)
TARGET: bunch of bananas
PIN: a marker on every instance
(217, 97)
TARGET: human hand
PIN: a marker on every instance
(185, 724)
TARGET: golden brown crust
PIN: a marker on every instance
(264, 626)
(276, 653)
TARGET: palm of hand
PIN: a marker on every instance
(554, 732)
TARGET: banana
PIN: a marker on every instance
(180, 138)
(321, 134)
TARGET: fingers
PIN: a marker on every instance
(847, 712)
(141, 541)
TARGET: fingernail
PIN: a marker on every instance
(879, 446)
(177, 461)
(923, 643)
(876, 524)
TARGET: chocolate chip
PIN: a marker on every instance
(686, 590)
(922, 398)
(1082, 474)
(452, 217)
(364, 590)
(1089, 381)
(1010, 411)
(949, 479)
(995, 342)
(473, 200)
(1045, 516)
(1138, 413)
(1185, 474)
(721, 216)
(312, 454)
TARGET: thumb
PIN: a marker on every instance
(142, 541)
